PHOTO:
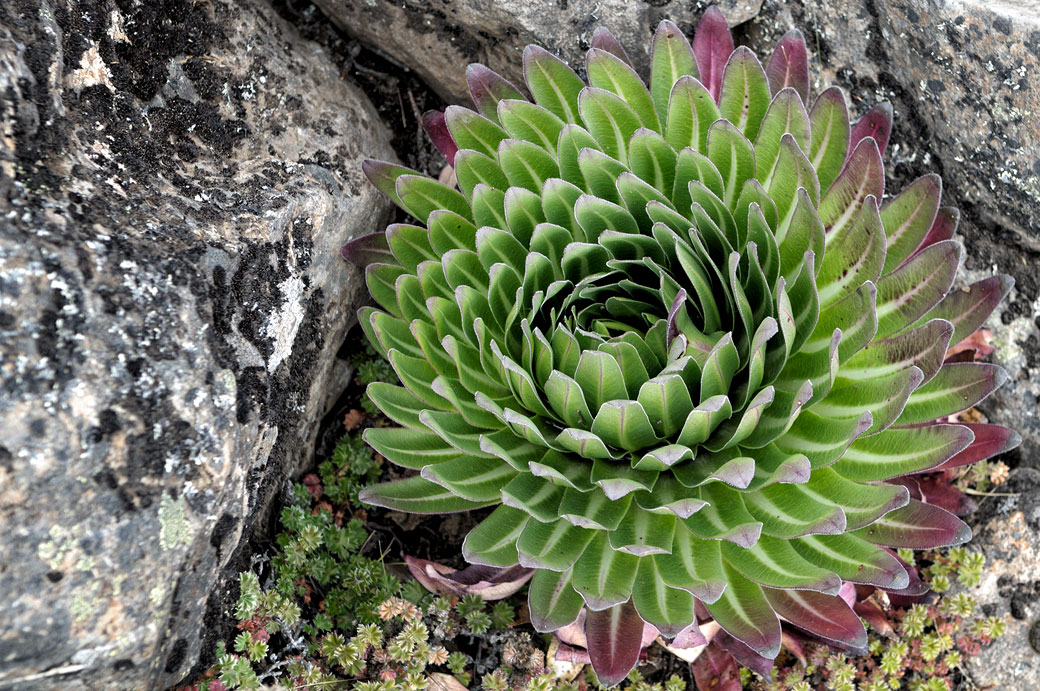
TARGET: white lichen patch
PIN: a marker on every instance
(285, 323)
(173, 522)
(92, 71)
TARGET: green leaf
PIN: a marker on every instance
(417, 495)
(703, 420)
(554, 86)
(692, 166)
(829, 133)
(558, 198)
(725, 517)
(554, 546)
(822, 440)
(792, 173)
(396, 402)
(526, 165)
(417, 375)
(862, 177)
(744, 613)
(643, 532)
(855, 255)
(789, 511)
(473, 131)
(908, 217)
(496, 246)
(909, 292)
(552, 601)
(744, 97)
(593, 510)
(901, 451)
(573, 139)
(606, 71)
(475, 479)
(410, 448)
(454, 429)
(602, 575)
(733, 156)
(410, 245)
(601, 173)
(610, 120)
(694, 565)
(667, 402)
(493, 541)
(523, 213)
(668, 609)
(616, 480)
(773, 562)
(450, 231)
(526, 121)
(956, 387)
(691, 111)
(381, 280)
(862, 503)
(473, 168)
(489, 206)
(853, 559)
(671, 58)
(421, 196)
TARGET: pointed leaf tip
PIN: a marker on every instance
(614, 639)
(368, 249)
(788, 66)
(437, 130)
(877, 123)
(487, 88)
(604, 40)
(712, 46)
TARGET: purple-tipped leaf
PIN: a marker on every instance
(368, 249)
(863, 176)
(487, 88)
(826, 616)
(712, 46)
(789, 65)
(990, 440)
(614, 639)
(489, 582)
(908, 217)
(690, 637)
(744, 655)
(943, 228)
(715, 669)
(935, 489)
(969, 308)
(917, 526)
(437, 130)
(384, 175)
(604, 40)
(829, 120)
(877, 123)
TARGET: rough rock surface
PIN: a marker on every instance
(438, 39)
(1008, 530)
(175, 180)
(960, 77)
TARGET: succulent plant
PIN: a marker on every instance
(676, 337)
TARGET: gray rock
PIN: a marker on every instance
(438, 39)
(175, 181)
(1009, 535)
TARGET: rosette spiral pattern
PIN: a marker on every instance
(673, 335)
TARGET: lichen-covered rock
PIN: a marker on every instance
(438, 39)
(176, 178)
(1009, 533)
